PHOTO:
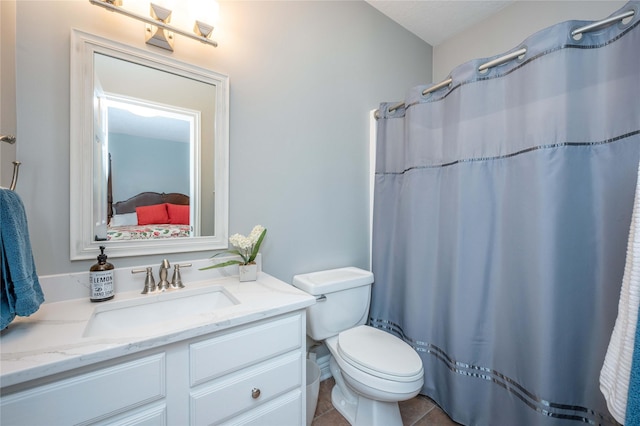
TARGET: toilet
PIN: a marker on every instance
(373, 369)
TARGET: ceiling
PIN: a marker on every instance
(434, 21)
(155, 127)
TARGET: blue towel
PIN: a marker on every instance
(20, 292)
(632, 417)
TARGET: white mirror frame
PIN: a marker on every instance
(82, 244)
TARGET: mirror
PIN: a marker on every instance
(149, 152)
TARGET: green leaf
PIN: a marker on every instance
(236, 252)
(256, 248)
(222, 265)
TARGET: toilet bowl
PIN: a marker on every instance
(376, 370)
(373, 369)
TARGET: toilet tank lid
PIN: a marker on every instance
(332, 280)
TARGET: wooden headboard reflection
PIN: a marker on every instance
(141, 199)
(149, 199)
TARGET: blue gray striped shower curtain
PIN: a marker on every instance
(502, 207)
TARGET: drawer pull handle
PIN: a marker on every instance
(255, 393)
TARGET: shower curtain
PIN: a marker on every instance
(502, 206)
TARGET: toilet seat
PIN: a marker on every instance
(379, 354)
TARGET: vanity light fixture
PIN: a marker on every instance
(159, 32)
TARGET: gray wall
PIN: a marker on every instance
(303, 78)
(143, 164)
(507, 28)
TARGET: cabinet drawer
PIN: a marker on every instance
(95, 395)
(283, 411)
(235, 394)
(224, 354)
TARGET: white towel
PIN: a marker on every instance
(615, 373)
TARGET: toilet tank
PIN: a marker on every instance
(342, 300)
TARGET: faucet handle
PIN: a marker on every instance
(176, 280)
(149, 282)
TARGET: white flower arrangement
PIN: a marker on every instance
(246, 247)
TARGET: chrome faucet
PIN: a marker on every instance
(164, 284)
(163, 274)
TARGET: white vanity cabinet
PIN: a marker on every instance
(251, 374)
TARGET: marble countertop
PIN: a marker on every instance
(53, 339)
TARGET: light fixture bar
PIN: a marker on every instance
(105, 4)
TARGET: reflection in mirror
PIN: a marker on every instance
(141, 134)
(153, 134)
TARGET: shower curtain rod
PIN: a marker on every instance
(517, 54)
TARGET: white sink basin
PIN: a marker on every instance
(163, 311)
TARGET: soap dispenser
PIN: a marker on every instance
(101, 277)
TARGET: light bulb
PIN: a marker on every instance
(207, 11)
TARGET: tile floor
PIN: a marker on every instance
(419, 411)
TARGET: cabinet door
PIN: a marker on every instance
(154, 415)
(88, 397)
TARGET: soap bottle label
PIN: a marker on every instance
(101, 284)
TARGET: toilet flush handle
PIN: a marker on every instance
(321, 298)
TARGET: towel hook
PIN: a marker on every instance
(16, 164)
(8, 138)
(14, 179)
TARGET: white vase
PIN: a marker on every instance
(248, 272)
